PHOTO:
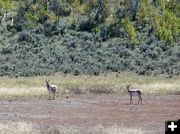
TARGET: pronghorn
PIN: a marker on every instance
(51, 89)
(134, 92)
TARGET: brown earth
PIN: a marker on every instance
(91, 110)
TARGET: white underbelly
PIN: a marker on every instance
(134, 94)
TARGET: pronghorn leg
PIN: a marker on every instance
(140, 100)
(49, 95)
(53, 95)
(130, 99)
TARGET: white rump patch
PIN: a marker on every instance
(53, 86)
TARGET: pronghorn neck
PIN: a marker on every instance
(128, 88)
(47, 84)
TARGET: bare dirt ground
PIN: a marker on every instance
(91, 110)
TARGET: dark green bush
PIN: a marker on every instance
(59, 9)
(25, 36)
(121, 13)
(87, 25)
(76, 72)
(7, 49)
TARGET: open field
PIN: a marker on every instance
(95, 104)
(88, 114)
(68, 84)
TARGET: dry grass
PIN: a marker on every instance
(100, 130)
(161, 87)
(112, 83)
(22, 92)
(17, 128)
(25, 128)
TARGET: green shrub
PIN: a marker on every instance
(76, 72)
(25, 36)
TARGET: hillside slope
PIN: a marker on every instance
(90, 37)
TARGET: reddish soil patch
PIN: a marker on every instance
(91, 110)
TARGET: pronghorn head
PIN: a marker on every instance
(47, 82)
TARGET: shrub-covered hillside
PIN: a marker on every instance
(41, 37)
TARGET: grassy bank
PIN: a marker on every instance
(68, 84)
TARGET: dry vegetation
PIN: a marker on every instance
(27, 128)
(17, 128)
(68, 84)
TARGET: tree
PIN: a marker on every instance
(30, 13)
(100, 8)
(164, 21)
(5, 7)
(128, 26)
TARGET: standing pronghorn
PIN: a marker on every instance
(51, 89)
(134, 92)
